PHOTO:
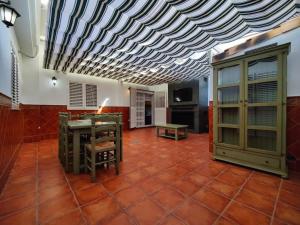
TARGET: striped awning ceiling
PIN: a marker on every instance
(151, 42)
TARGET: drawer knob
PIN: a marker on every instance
(224, 153)
(267, 162)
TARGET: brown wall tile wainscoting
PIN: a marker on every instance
(41, 121)
(292, 129)
(11, 136)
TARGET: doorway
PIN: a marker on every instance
(148, 112)
(141, 108)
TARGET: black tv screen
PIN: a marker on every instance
(183, 95)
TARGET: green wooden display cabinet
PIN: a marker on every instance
(250, 109)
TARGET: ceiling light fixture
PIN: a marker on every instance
(45, 2)
(153, 70)
(54, 81)
(8, 13)
(180, 61)
(166, 66)
(197, 55)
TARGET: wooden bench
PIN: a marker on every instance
(174, 131)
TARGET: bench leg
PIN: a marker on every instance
(176, 134)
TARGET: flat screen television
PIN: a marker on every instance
(183, 95)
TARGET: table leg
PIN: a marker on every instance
(76, 151)
(166, 132)
(121, 143)
(157, 131)
(185, 132)
(121, 149)
(176, 134)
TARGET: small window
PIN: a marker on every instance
(14, 81)
(160, 99)
(82, 96)
(91, 95)
(75, 95)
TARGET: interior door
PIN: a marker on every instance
(228, 108)
(148, 109)
(148, 113)
(263, 104)
(140, 109)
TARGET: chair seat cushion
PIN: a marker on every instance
(103, 146)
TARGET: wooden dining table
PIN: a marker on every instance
(79, 127)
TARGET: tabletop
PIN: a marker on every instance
(82, 124)
(171, 125)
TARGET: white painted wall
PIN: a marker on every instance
(8, 41)
(38, 89)
(293, 59)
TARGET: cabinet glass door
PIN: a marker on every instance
(228, 96)
(262, 104)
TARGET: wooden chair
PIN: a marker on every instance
(104, 147)
(106, 116)
(61, 117)
(74, 116)
(87, 116)
(66, 144)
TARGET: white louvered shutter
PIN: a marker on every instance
(132, 108)
(14, 81)
(91, 95)
(160, 113)
(75, 94)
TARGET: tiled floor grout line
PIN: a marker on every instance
(232, 199)
(109, 194)
(188, 198)
(15, 197)
(8, 178)
(191, 198)
(147, 195)
(37, 184)
(124, 210)
(276, 202)
(73, 193)
(255, 209)
(38, 161)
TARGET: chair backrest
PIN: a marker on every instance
(63, 134)
(74, 116)
(87, 116)
(61, 117)
(62, 122)
(91, 115)
(109, 130)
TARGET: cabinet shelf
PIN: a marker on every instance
(263, 104)
(228, 105)
(268, 128)
(263, 80)
(228, 85)
(229, 125)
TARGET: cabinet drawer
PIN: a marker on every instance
(250, 158)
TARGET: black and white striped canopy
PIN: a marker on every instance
(151, 41)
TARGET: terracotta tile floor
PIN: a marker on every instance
(162, 182)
